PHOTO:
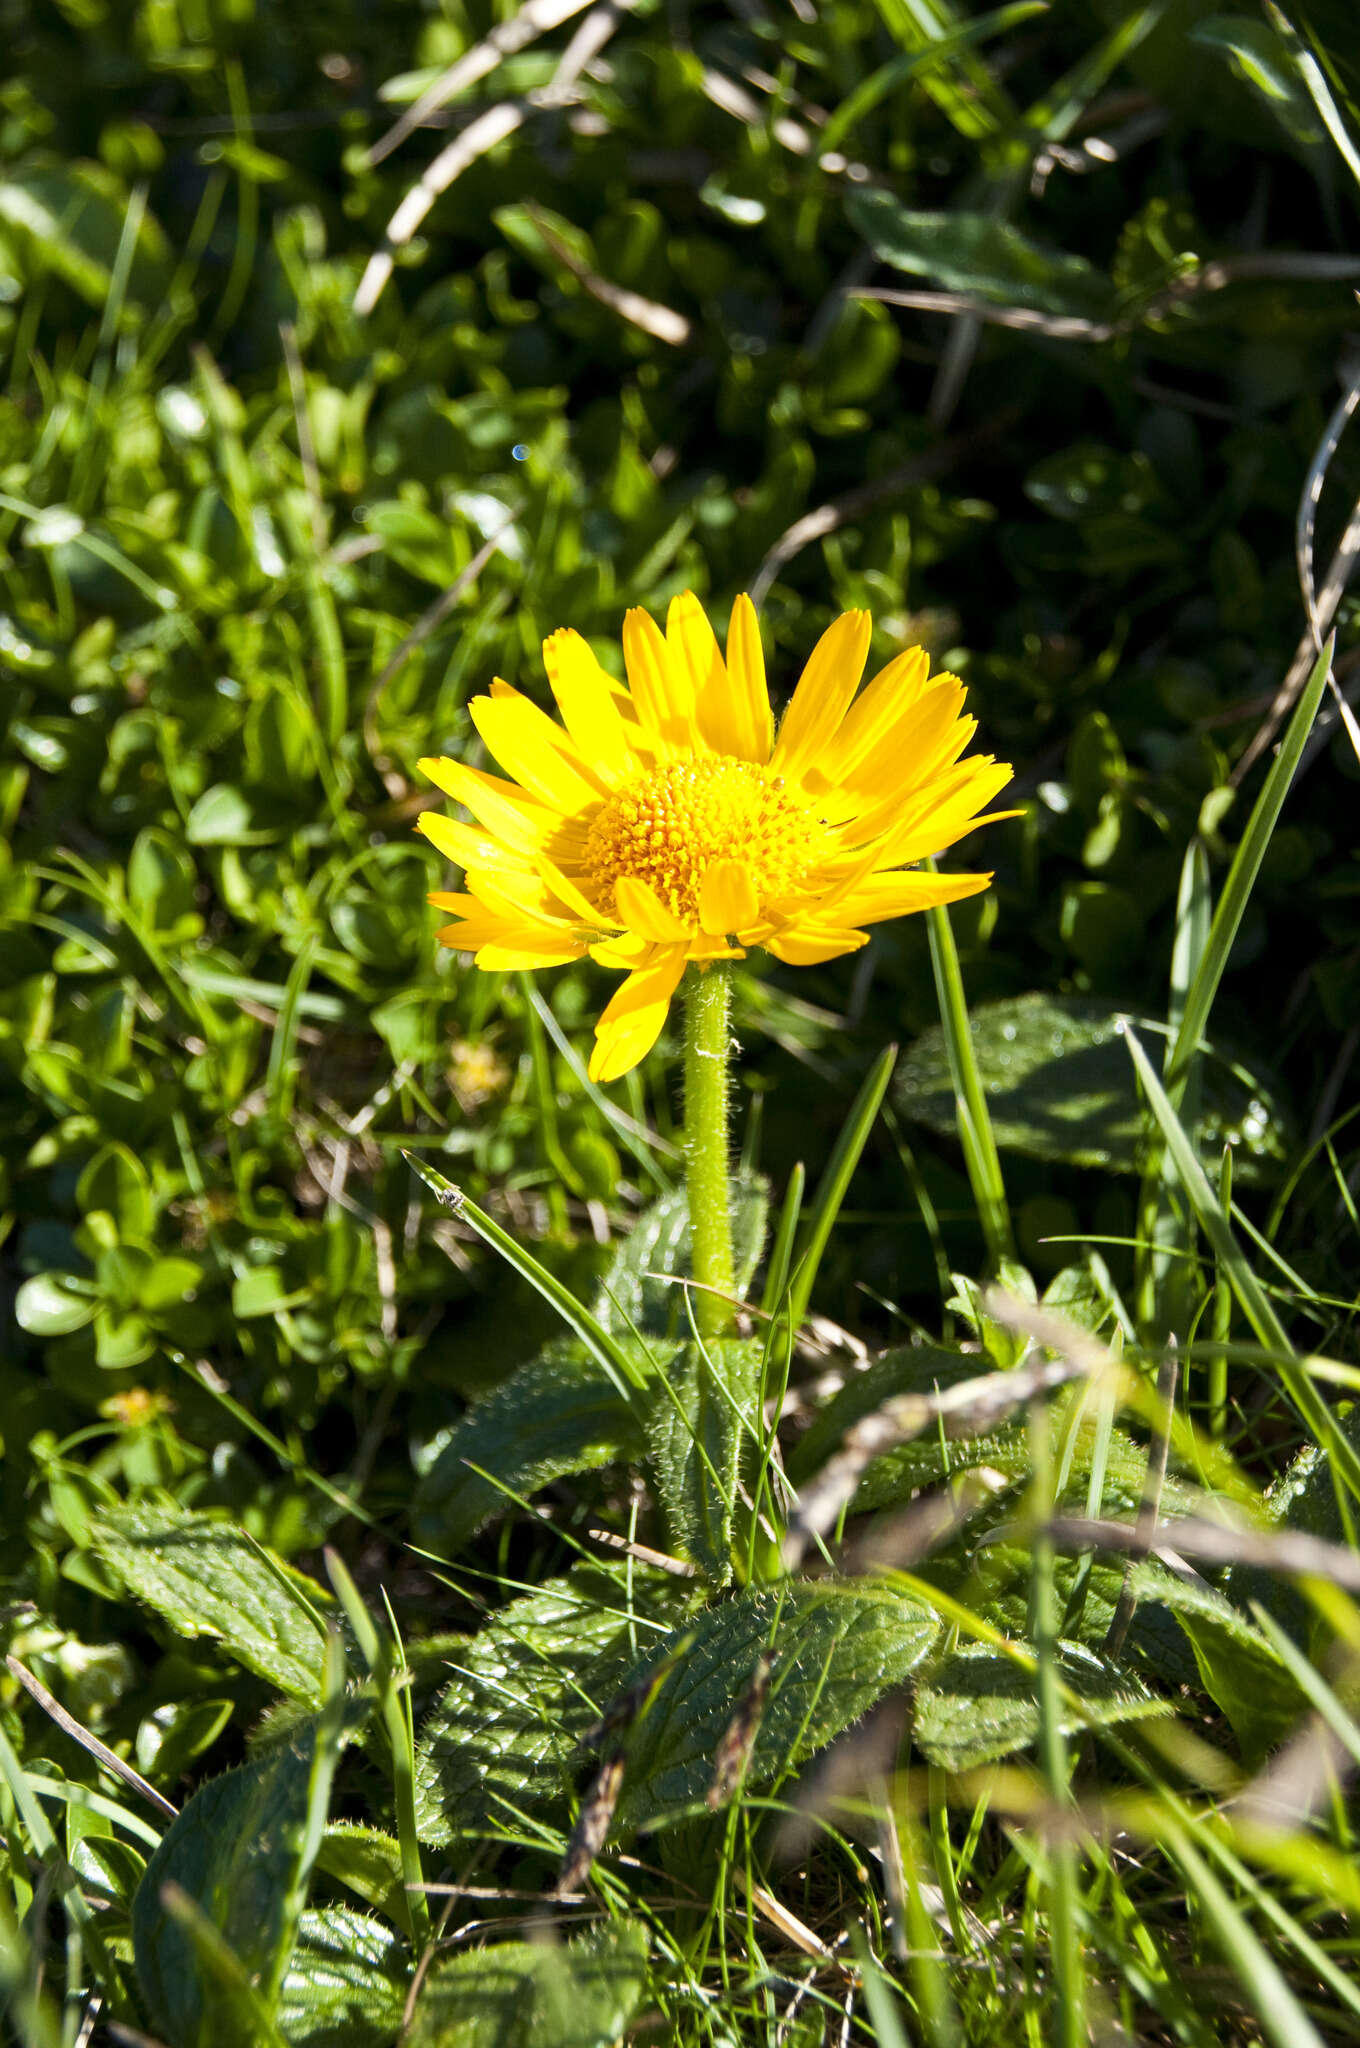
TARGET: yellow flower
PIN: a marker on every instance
(665, 821)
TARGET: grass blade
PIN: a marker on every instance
(1246, 865)
(834, 1183)
(611, 1356)
(1282, 2018)
(1254, 1301)
(975, 1123)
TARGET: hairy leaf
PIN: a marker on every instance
(347, 1983)
(1239, 1668)
(238, 1851)
(696, 1428)
(502, 1733)
(207, 1578)
(840, 1647)
(557, 1415)
(639, 1289)
(1059, 1086)
(581, 1995)
(980, 1705)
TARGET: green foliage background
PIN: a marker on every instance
(636, 345)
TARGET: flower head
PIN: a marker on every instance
(664, 820)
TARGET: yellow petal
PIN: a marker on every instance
(873, 714)
(589, 703)
(694, 649)
(515, 952)
(923, 741)
(825, 689)
(536, 752)
(468, 845)
(898, 895)
(628, 950)
(641, 910)
(632, 1020)
(516, 818)
(806, 945)
(751, 719)
(727, 897)
(661, 686)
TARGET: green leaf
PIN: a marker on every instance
(223, 817)
(503, 1733)
(207, 1578)
(701, 1413)
(559, 1414)
(535, 1995)
(980, 1705)
(52, 1305)
(974, 252)
(238, 1851)
(347, 1982)
(160, 879)
(1241, 1671)
(896, 1474)
(263, 1291)
(1058, 1084)
(841, 1646)
(368, 1863)
(635, 1291)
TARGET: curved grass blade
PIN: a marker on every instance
(1255, 1303)
(975, 1123)
(1246, 865)
(834, 1183)
(622, 1370)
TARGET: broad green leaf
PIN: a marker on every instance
(347, 1982)
(701, 1415)
(976, 253)
(980, 1706)
(557, 1415)
(502, 1734)
(1239, 1668)
(524, 1994)
(223, 817)
(50, 1305)
(207, 1578)
(238, 1850)
(1058, 1084)
(368, 1863)
(840, 1647)
(907, 1369)
(639, 1290)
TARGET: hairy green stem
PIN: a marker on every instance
(708, 1048)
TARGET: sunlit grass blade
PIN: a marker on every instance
(835, 1182)
(1311, 1682)
(1314, 1956)
(1252, 1298)
(1063, 1923)
(1281, 2017)
(394, 1704)
(1241, 877)
(892, 76)
(622, 1370)
(975, 1123)
(1315, 79)
(781, 1251)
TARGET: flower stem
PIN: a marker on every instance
(707, 1053)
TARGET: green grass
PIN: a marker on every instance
(378, 1536)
